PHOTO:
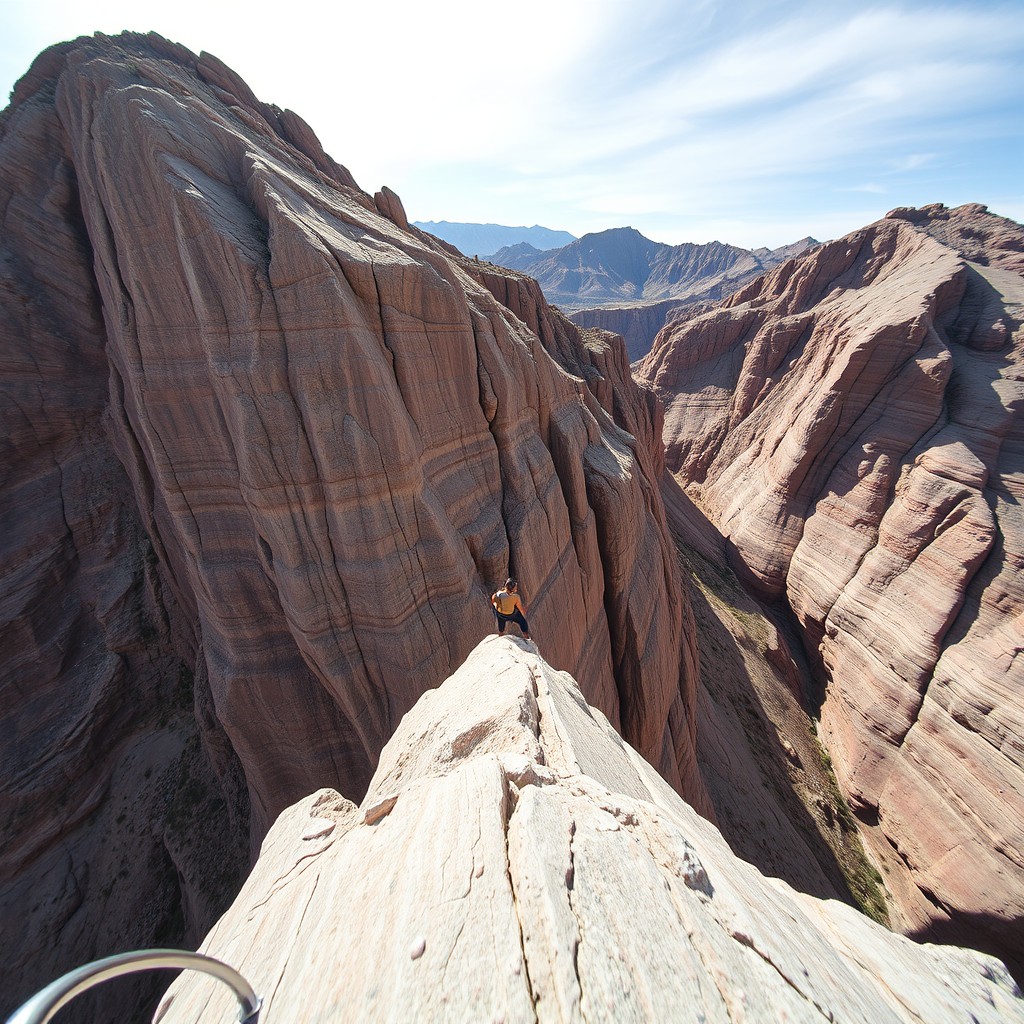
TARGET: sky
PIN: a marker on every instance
(753, 122)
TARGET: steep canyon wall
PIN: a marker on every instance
(266, 453)
(852, 422)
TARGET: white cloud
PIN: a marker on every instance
(866, 187)
(911, 162)
(582, 114)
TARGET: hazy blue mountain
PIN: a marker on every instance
(485, 239)
(624, 282)
(517, 256)
(621, 265)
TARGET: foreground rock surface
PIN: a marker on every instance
(514, 860)
(267, 450)
(853, 424)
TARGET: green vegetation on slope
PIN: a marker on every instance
(740, 674)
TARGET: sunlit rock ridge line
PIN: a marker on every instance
(852, 421)
(266, 452)
(514, 860)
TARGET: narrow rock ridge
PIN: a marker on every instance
(531, 866)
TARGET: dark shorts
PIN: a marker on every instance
(516, 617)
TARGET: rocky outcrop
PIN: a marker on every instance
(514, 860)
(638, 323)
(852, 423)
(267, 452)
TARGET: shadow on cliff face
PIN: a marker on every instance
(972, 931)
(769, 779)
(123, 825)
(984, 321)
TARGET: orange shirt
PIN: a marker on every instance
(507, 603)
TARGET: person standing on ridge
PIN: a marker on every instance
(508, 607)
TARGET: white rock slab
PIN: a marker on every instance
(514, 860)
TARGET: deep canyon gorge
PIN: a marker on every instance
(268, 449)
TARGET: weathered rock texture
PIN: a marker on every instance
(638, 323)
(514, 860)
(266, 453)
(775, 796)
(852, 422)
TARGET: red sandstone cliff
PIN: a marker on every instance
(266, 452)
(852, 422)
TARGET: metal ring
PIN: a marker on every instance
(44, 1004)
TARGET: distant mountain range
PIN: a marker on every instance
(622, 281)
(485, 239)
(622, 265)
(616, 279)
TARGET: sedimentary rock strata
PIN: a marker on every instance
(852, 422)
(638, 323)
(514, 860)
(267, 452)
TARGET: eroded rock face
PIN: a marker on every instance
(267, 452)
(515, 860)
(638, 324)
(853, 424)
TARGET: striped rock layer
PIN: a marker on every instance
(266, 453)
(853, 423)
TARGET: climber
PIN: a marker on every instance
(508, 607)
